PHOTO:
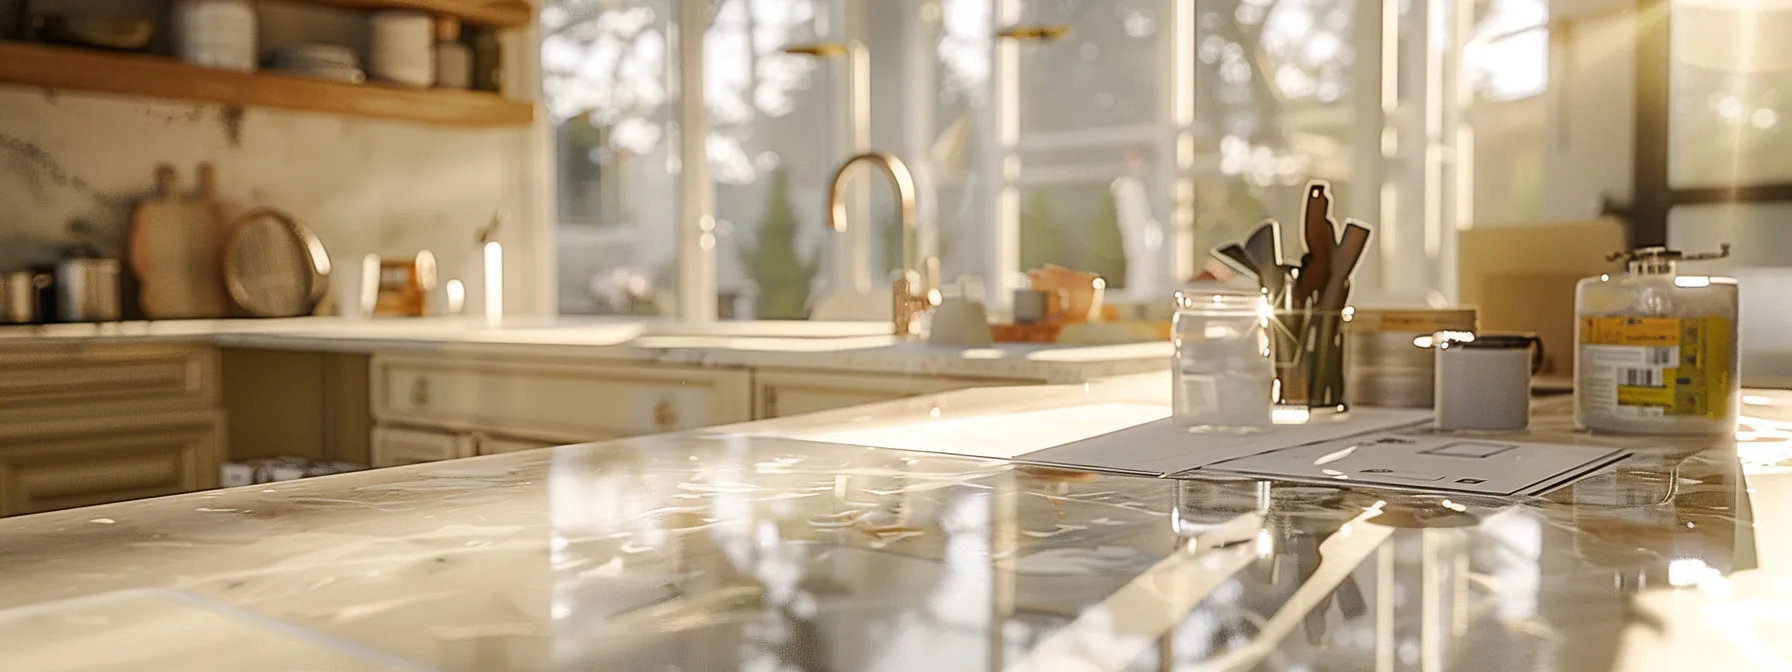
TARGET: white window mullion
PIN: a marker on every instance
(696, 212)
(1000, 164)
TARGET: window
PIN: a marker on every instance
(605, 69)
(1507, 54)
(1127, 137)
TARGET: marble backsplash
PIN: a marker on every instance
(363, 186)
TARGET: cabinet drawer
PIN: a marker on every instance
(496, 445)
(49, 466)
(781, 394)
(82, 380)
(393, 446)
(546, 397)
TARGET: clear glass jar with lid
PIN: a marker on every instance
(1222, 375)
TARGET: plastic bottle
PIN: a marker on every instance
(1657, 351)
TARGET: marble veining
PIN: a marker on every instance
(730, 549)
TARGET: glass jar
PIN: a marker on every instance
(1222, 374)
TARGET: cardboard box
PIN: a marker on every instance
(1521, 277)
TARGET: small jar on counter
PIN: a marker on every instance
(1222, 376)
(1658, 349)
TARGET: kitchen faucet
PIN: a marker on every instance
(912, 293)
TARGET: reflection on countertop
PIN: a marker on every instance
(741, 549)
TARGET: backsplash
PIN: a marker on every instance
(362, 186)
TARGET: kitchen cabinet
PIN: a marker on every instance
(778, 394)
(93, 422)
(553, 399)
(61, 464)
(300, 404)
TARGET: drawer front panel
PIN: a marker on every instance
(48, 382)
(535, 398)
(779, 394)
(114, 460)
(393, 446)
(497, 445)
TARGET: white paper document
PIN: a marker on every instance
(1439, 463)
(1160, 448)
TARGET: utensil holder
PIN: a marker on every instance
(1307, 347)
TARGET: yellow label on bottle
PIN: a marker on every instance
(1676, 366)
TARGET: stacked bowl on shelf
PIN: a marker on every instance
(324, 61)
(403, 48)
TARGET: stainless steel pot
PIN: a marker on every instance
(87, 290)
(19, 296)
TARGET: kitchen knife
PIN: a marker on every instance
(1321, 239)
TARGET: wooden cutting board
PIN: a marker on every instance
(176, 244)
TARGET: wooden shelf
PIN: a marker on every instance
(498, 13)
(75, 69)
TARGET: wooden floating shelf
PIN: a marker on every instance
(74, 69)
(497, 13)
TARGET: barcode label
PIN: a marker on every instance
(1640, 377)
(1662, 356)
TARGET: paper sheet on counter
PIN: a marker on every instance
(1435, 463)
(1160, 448)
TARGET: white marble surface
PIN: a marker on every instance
(859, 347)
(751, 548)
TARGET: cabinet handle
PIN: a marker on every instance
(665, 417)
(420, 392)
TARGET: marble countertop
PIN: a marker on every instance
(750, 547)
(863, 347)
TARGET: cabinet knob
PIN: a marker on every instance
(665, 417)
(420, 392)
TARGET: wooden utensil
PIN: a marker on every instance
(1235, 258)
(1329, 333)
(1344, 259)
(1264, 246)
(1321, 238)
(175, 245)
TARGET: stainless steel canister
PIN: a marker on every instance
(19, 296)
(87, 290)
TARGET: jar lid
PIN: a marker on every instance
(1201, 294)
(1457, 339)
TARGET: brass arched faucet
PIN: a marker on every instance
(913, 292)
